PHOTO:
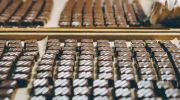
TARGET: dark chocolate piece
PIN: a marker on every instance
(149, 77)
(145, 84)
(100, 91)
(82, 91)
(126, 70)
(145, 64)
(86, 75)
(67, 62)
(166, 71)
(172, 92)
(47, 62)
(62, 83)
(147, 71)
(142, 54)
(66, 75)
(62, 91)
(42, 91)
(67, 57)
(145, 93)
(106, 69)
(40, 83)
(65, 68)
(168, 77)
(7, 84)
(25, 70)
(24, 64)
(26, 58)
(86, 68)
(122, 84)
(22, 79)
(43, 68)
(80, 82)
(164, 84)
(123, 92)
(160, 54)
(125, 54)
(125, 64)
(100, 83)
(86, 57)
(124, 58)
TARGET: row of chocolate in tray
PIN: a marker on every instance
(28, 13)
(147, 70)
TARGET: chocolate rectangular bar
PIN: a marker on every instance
(86, 57)
(150, 41)
(24, 64)
(65, 69)
(123, 92)
(35, 54)
(150, 77)
(142, 93)
(15, 50)
(164, 64)
(106, 70)
(22, 79)
(145, 84)
(80, 83)
(122, 84)
(8, 84)
(124, 58)
(164, 84)
(62, 83)
(65, 75)
(42, 91)
(137, 41)
(125, 64)
(53, 44)
(66, 52)
(32, 45)
(18, 54)
(87, 52)
(147, 71)
(63, 91)
(23, 70)
(27, 58)
(18, 45)
(47, 62)
(160, 54)
(67, 63)
(86, 49)
(143, 59)
(68, 57)
(86, 68)
(86, 45)
(119, 41)
(49, 56)
(86, 40)
(126, 70)
(86, 75)
(29, 49)
(142, 54)
(125, 54)
(69, 48)
(100, 91)
(40, 82)
(6, 64)
(82, 91)
(43, 68)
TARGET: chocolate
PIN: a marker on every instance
(147, 71)
(52, 40)
(149, 77)
(54, 48)
(5, 70)
(30, 41)
(70, 45)
(29, 49)
(62, 83)
(35, 54)
(62, 91)
(86, 75)
(119, 41)
(87, 48)
(7, 92)
(15, 46)
(70, 40)
(105, 63)
(14, 41)
(137, 42)
(174, 55)
(38, 98)
(40, 83)
(47, 62)
(87, 52)
(164, 84)
(172, 92)
(142, 54)
(43, 68)
(125, 64)
(170, 46)
(157, 49)
(125, 54)
(102, 41)
(86, 63)
(164, 64)
(53, 52)
(162, 59)
(24, 64)
(49, 56)
(124, 58)
(25, 70)
(22, 79)
(143, 59)
(104, 48)
(69, 48)
(32, 45)
(166, 71)
(15, 50)
(67, 62)
(86, 40)
(137, 46)
(81, 91)
(141, 93)
(100, 91)
(126, 70)
(127, 77)
(80, 82)
(168, 77)
(150, 41)
(69, 52)
(145, 84)
(173, 50)
(61, 98)
(65, 68)
(27, 58)
(122, 84)
(67, 57)
(18, 54)
(86, 57)
(139, 49)
(8, 84)
(86, 45)
(154, 45)
(165, 42)
(9, 58)
(6, 64)
(46, 74)
(122, 92)
(176, 59)
(86, 68)
(106, 69)
(122, 49)
(42, 91)
(120, 45)
(53, 44)
(66, 75)
(100, 83)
